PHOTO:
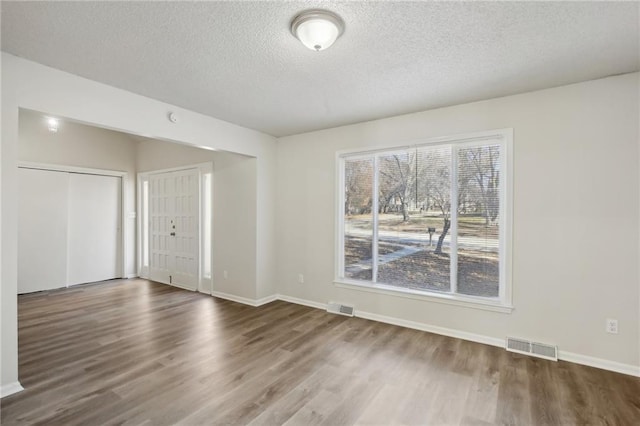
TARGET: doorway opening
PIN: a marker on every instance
(175, 226)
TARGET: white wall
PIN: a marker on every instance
(234, 209)
(570, 143)
(235, 184)
(266, 193)
(84, 146)
(576, 216)
(28, 85)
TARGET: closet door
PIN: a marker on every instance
(42, 229)
(94, 228)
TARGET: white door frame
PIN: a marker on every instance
(124, 227)
(144, 177)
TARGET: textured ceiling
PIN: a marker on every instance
(238, 62)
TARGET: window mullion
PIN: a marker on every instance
(374, 214)
(341, 217)
(453, 232)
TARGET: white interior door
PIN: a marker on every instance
(42, 230)
(174, 228)
(186, 218)
(160, 215)
(94, 228)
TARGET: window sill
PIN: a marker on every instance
(449, 299)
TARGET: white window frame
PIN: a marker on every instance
(502, 303)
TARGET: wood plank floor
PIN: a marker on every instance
(136, 352)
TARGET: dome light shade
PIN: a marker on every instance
(317, 29)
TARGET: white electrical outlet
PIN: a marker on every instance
(225, 274)
(612, 326)
(300, 279)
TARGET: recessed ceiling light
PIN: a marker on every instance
(317, 29)
(52, 124)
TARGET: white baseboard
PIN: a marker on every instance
(478, 338)
(604, 364)
(132, 276)
(304, 302)
(266, 300)
(10, 389)
(243, 300)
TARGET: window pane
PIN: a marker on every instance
(145, 223)
(407, 193)
(478, 218)
(414, 199)
(358, 218)
(206, 220)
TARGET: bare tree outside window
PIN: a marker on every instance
(414, 219)
(358, 220)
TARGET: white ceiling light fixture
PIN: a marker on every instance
(317, 29)
(53, 124)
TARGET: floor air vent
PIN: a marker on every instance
(526, 347)
(339, 308)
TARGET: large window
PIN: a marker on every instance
(430, 219)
